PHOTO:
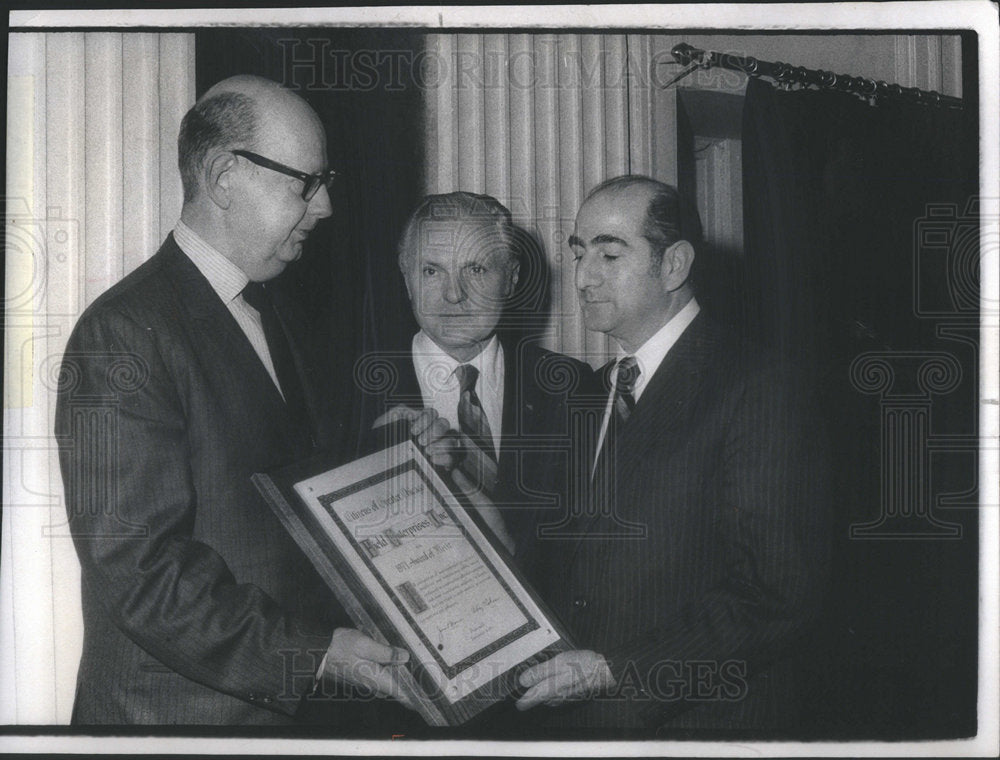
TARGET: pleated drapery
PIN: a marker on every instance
(536, 120)
(92, 189)
(862, 258)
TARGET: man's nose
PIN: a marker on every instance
(320, 205)
(454, 291)
(586, 273)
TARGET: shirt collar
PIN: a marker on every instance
(226, 279)
(429, 359)
(650, 354)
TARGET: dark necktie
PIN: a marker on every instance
(480, 463)
(256, 295)
(624, 403)
(628, 373)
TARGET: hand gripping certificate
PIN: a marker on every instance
(414, 569)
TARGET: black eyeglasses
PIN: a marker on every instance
(310, 182)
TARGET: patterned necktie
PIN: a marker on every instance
(257, 296)
(624, 403)
(628, 373)
(480, 463)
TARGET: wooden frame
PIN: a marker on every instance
(413, 568)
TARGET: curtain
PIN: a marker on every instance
(832, 189)
(861, 266)
(536, 120)
(92, 189)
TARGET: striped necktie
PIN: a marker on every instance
(624, 403)
(480, 463)
(628, 373)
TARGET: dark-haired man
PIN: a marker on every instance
(699, 555)
(183, 380)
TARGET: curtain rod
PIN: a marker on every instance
(784, 73)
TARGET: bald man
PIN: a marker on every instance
(181, 381)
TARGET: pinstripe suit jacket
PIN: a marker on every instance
(703, 553)
(198, 607)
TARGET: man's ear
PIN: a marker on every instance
(218, 178)
(677, 262)
(406, 281)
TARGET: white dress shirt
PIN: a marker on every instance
(228, 281)
(648, 358)
(440, 388)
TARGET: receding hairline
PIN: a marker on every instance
(247, 84)
(250, 113)
(641, 195)
(650, 186)
(622, 192)
(412, 247)
(270, 100)
(462, 208)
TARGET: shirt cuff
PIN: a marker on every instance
(319, 673)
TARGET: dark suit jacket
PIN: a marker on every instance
(198, 606)
(540, 387)
(709, 556)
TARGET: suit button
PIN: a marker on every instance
(579, 603)
(267, 700)
(252, 697)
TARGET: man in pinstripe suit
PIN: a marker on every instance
(198, 606)
(698, 557)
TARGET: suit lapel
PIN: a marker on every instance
(668, 395)
(510, 413)
(407, 388)
(659, 413)
(606, 377)
(219, 332)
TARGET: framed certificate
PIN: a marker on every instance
(414, 569)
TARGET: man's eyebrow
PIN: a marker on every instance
(574, 240)
(426, 261)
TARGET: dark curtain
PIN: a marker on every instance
(363, 85)
(861, 238)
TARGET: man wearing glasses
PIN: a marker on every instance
(198, 607)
